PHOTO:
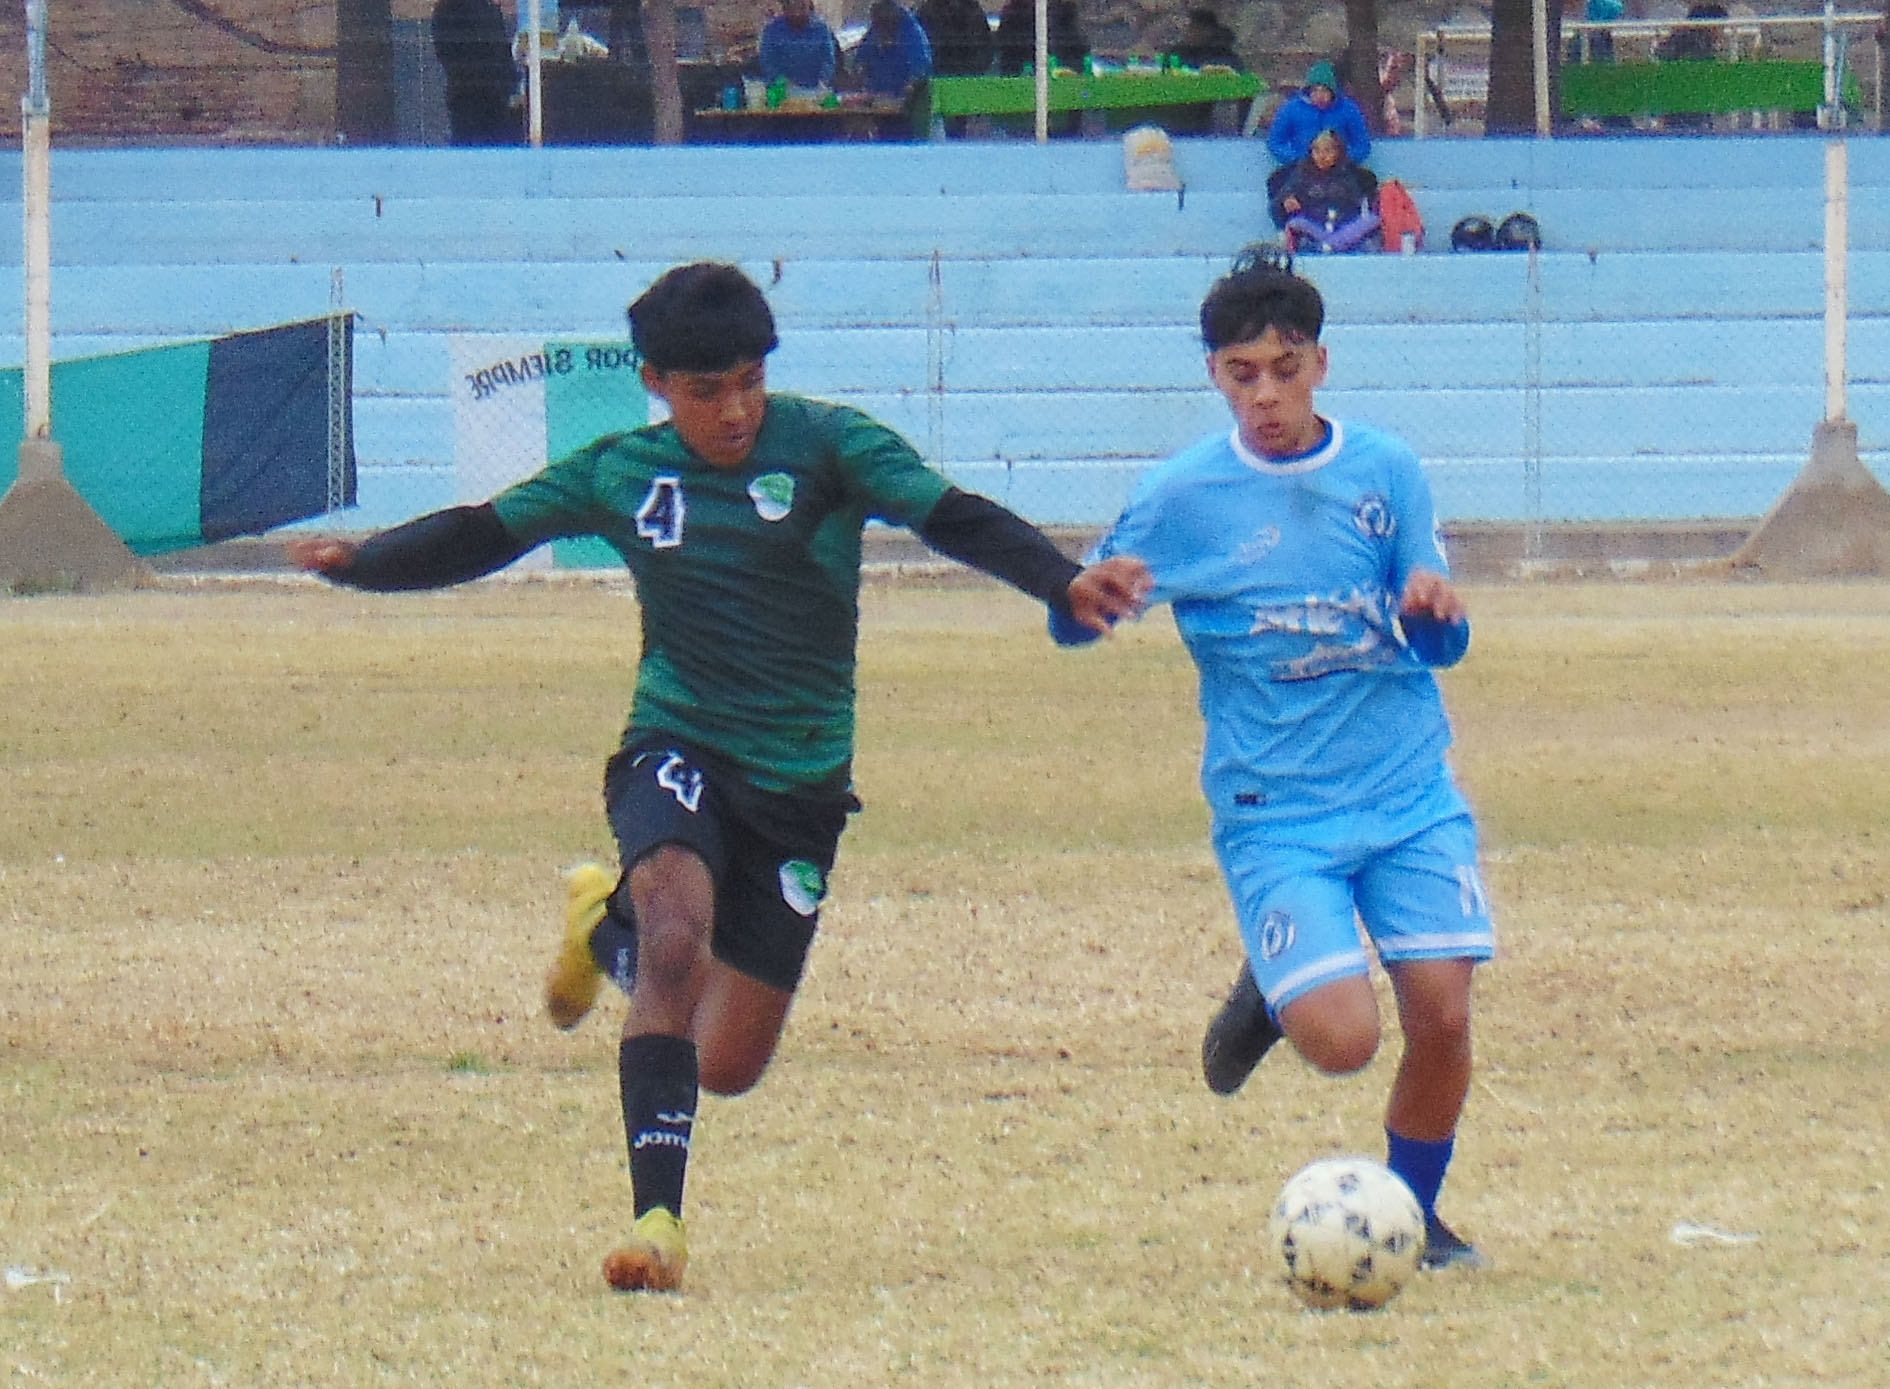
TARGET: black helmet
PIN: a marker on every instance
(1519, 232)
(1473, 233)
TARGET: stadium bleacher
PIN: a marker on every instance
(1028, 322)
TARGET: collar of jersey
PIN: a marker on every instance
(1285, 467)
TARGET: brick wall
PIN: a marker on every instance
(189, 71)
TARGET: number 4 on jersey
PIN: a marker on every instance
(660, 518)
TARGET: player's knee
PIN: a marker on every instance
(1437, 1017)
(675, 911)
(1447, 1023)
(1337, 1053)
(1335, 1028)
(723, 1075)
(669, 953)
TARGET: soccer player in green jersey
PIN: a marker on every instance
(740, 519)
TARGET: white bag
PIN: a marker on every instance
(1148, 161)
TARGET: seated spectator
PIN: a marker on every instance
(1206, 42)
(1692, 45)
(895, 53)
(1317, 106)
(1325, 200)
(1017, 37)
(798, 45)
(960, 35)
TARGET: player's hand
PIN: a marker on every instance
(321, 554)
(1110, 590)
(1290, 203)
(1430, 594)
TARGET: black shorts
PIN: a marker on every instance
(768, 852)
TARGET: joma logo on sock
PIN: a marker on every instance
(657, 1138)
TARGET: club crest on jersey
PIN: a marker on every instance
(1276, 934)
(802, 886)
(1373, 516)
(773, 495)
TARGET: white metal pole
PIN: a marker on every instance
(36, 207)
(1420, 106)
(535, 72)
(1837, 201)
(1043, 71)
(1831, 114)
(1545, 121)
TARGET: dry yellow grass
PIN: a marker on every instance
(279, 876)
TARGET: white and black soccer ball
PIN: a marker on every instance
(1348, 1232)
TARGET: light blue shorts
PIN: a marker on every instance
(1301, 905)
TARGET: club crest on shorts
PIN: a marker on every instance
(802, 886)
(773, 495)
(1276, 934)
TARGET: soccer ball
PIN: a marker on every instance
(1348, 1231)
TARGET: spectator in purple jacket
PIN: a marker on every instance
(1325, 201)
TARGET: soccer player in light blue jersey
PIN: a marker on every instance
(1301, 559)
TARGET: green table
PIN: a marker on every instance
(1017, 96)
(1659, 89)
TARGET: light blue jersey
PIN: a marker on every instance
(1324, 762)
(1285, 577)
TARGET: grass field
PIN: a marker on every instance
(279, 876)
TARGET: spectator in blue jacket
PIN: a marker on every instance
(895, 52)
(798, 45)
(1317, 106)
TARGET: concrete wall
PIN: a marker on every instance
(1027, 322)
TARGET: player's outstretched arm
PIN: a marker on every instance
(433, 551)
(977, 531)
(1436, 623)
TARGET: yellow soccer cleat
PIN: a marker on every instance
(654, 1259)
(571, 987)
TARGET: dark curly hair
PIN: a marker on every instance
(1261, 291)
(702, 317)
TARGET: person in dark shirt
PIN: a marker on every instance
(1017, 36)
(960, 32)
(1206, 42)
(474, 46)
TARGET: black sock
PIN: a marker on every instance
(659, 1081)
(614, 944)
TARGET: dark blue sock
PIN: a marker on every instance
(1421, 1164)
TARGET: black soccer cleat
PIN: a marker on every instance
(1241, 1033)
(1444, 1249)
